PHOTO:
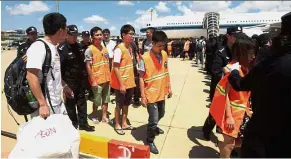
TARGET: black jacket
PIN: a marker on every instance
(220, 60)
(264, 52)
(72, 62)
(270, 83)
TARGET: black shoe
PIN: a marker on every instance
(153, 148)
(87, 128)
(75, 125)
(160, 131)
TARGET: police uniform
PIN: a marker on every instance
(220, 59)
(72, 68)
(84, 46)
(22, 48)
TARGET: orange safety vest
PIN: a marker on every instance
(100, 65)
(156, 77)
(125, 70)
(239, 104)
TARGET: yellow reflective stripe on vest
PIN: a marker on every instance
(238, 106)
(125, 76)
(156, 77)
(126, 67)
(100, 63)
(97, 73)
(226, 69)
(220, 89)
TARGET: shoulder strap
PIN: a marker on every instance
(104, 43)
(45, 69)
(143, 43)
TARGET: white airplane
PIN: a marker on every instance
(203, 24)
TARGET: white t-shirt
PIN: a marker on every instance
(117, 55)
(110, 47)
(35, 59)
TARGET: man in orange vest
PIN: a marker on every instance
(97, 64)
(155, 85)
(122, 77)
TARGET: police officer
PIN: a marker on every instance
(31, 37)
(220, 59)
(72, 67)
(84, 45)
(85, 40)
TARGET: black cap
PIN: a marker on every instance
(72, 29)
(255, 36)
(264, 38)
(85, 33)
(286, 23)
(31, 30)
(234, 30)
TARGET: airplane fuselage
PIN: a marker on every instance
(194, 25)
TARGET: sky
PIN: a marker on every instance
(114, 14)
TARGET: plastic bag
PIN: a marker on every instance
(54, 137)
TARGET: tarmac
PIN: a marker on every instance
(185, 114)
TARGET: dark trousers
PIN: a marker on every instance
(209, 125)
(156, 113)
(214, 81)
(136, 93)
(208, 62)
(78, 101)
(191, 55)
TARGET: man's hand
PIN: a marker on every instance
(170, 93)
(122, 89)
(68, 92)
(230, 123)
(235, 66)
(94, 84)
(144, 101)
(44, 110)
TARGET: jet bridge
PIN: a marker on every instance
(211, 23)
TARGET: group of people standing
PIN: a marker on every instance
(95, 68)
(250, 87)
(250, 93)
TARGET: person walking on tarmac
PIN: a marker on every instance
(152, 65)
(72, 73)
(267, 134)
(84, 45)
(220, 59)
(136, 56)
(200, 51)
(230, 108)
(110, 45)
(211, 47)
(122, 78)
(147, 43)
(31, 37)
(97, 64)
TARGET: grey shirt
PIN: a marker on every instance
(147, 46)
(141, 67)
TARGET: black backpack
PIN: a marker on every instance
(15, 83)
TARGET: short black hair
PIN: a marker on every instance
(126, 29)
(106, 31)
(151, 28)
(94, 30)
(53, 22)
(159, 36)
